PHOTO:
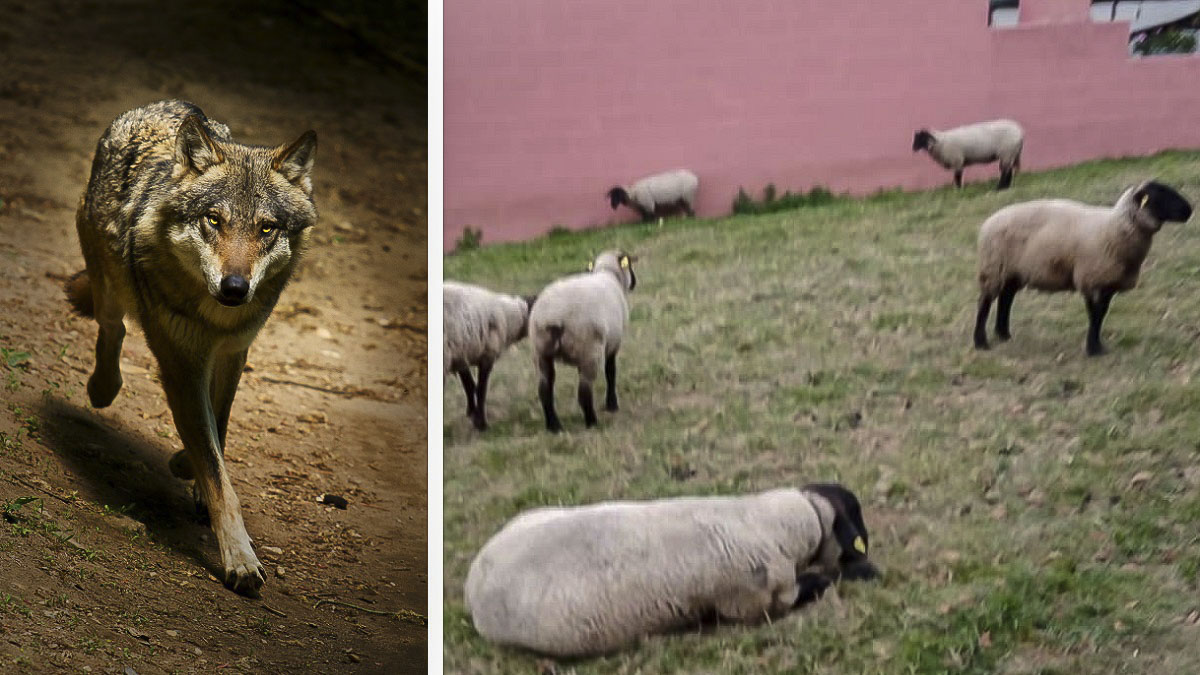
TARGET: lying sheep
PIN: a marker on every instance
(580, 320)
(477, 326)
(1063, 245)
(659, 195)
(981, 143)
(593, 579)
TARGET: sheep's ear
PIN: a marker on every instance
(617, 196)
(632, 279)
(1163, 202)
(920, 139)
(849, 530)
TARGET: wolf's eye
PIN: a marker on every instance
(212, 220)
(268, 228)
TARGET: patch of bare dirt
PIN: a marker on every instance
(103, 563)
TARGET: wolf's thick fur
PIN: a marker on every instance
(195, 236)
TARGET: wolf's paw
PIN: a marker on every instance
(180, 467)
(243, 573)
(102, 389)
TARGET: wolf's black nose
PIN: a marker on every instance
(234, 288)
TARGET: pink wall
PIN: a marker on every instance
(549, 103)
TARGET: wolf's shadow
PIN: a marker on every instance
(125, 472)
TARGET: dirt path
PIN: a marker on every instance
(109, 568)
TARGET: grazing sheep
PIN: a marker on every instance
(1063, 245)
(659, 195)
(477, 326)
(580, 320)
(593, 579)
(981, 143)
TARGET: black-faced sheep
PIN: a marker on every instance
(592, 579)
(580, 320)
(478, 325)
(1063, 245)
(659, 195)
(981, 143)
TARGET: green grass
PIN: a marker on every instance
(1035, 510)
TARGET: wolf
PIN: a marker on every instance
(194, 236)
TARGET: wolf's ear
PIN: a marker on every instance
(295, 161)
(194, 148)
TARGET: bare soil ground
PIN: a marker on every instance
(104, 565)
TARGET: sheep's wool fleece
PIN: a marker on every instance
(590, 308)
(478, 323)
(665, 189)
(1060, 244)
(592, 579)
(978, 144)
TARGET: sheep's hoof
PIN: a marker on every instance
(1096, 350)
(1003, 337)
(611, 406)
(479, 423)
(554, 427)
(981, 345)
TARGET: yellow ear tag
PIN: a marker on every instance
(1145, 198)
(624, 262)
(591, 266)
(860, 546)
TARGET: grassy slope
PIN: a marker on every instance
(1035, 510)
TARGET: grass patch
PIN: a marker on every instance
(1034, 509)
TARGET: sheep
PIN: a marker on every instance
(1063, 245)
(589, 580)
(581, 320)
(658, 195)
(478, 325)
(981, 143)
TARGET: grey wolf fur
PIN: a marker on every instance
(193, 235)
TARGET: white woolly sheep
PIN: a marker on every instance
(478, 325)
(981, 143)
(592, 579)
(1063, 245)
(580, 320)
(659, 195)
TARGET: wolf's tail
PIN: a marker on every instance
(79, 294)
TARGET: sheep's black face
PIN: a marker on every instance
(617, 196)
(921, 140)
(1164, 202)
(849, 531)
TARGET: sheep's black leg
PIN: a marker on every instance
(1004, 309)
(585, 402)
(1006, 176)
(610, 379)
(985, 305)
(480, 417)
(811, 586)
(1097, 308)
(468, 384)
(958, 178)
(546, 393)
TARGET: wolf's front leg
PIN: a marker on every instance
(187, 388)
(105, 382)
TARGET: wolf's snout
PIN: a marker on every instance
(234, 289)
